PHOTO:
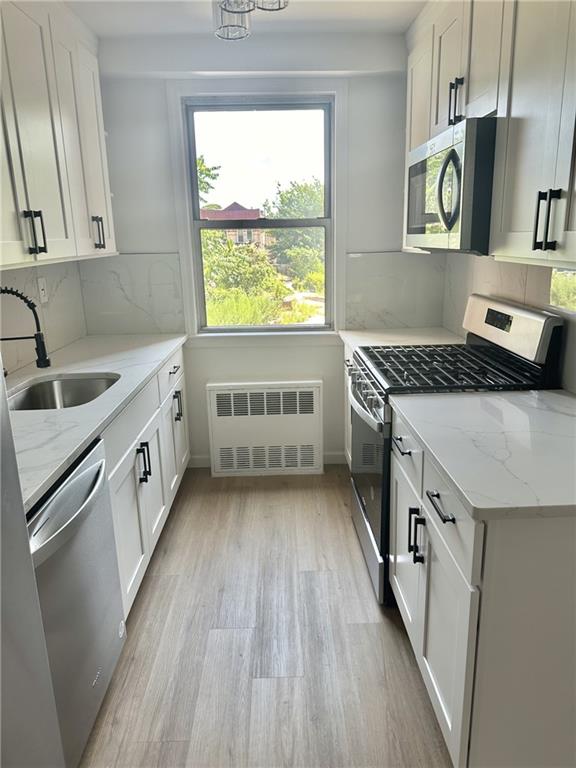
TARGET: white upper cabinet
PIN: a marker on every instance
(31, 73)
(419, 92)
(449, 59)
(94, 150)
(54, 167)
(534, 168)
(484, 56)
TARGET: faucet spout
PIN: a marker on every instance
(42, 359)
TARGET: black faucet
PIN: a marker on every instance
(42, 359)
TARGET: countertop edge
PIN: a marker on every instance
(48, 482)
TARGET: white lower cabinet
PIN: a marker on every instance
(130, 530)
(143, 483)
(448, 610)
(439, 609)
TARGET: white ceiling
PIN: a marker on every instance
(116, 18)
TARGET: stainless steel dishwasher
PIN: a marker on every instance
(72, 544)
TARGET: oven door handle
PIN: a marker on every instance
(364, 415)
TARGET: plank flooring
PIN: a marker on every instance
(256, 642)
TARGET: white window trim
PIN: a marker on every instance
(179, 92)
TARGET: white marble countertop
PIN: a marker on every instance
(398, 337)
(508, 454)
(48, 441)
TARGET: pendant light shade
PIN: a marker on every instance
(238, 6)
(271, 5)
(232, 25)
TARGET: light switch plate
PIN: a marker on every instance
(42, 290)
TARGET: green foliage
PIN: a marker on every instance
(299, 200)
(206, 175)
(563, 289)
(245, 267)
(234, 307)
(298, 314)
(315, 282)
(300, 263)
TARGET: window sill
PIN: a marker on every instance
(263, 339)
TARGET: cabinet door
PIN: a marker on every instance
(181, 435)
(130, 529)
(449, 609)
(347, 410)
(170, 471)
(418, 95)
(448, 63)
(486, 29)
(15, 230)
(94, 148)
(563, 210)
(404, 573)
(527, 144)
(156, 500)
(30, 69)
(64, 46)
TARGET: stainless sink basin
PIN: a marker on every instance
(61, 391)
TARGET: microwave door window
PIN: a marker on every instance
(422, 217)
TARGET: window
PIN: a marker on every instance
(262, 215)
(563, 289)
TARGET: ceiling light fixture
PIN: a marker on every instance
(232, 17)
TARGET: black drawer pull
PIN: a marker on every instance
(433, 495)
(174, 369)
(178, 397)
(30, 215)
(537, 245)
(412, 512)
(451, 90)
(457, 83)
(416, 556)
(41, 248)
(398, 440)
(144, 476)
(553, 194)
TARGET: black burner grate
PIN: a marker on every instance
(450, 367)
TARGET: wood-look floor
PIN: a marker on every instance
(256, 641)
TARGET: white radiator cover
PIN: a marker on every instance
(266, 428)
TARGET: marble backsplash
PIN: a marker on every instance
(394, 290)
(133, 293)
(61, 318)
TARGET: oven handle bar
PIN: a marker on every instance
(373, 423)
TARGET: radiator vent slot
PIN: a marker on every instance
(271, 428)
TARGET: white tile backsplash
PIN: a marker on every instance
(61, 318)
(394, 290)
(133, 293)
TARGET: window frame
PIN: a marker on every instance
(325, 103)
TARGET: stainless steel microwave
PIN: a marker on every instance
(449, 189)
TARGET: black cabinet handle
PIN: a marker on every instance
(30, 215)
(144, 476)
(433, 495)
(457, 84)
(101, 242)
(451, 90)
(97, 243)
(103, 235)
(416, 556)
(148, 462)
(174, 370)
(553, 194)
(178, 397)
(537, 245)
(397, 440)
(41, 248)
(412, 512)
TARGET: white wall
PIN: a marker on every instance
(523, 283)
(62, 318)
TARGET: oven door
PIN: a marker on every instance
(370, 468)
(434, 187)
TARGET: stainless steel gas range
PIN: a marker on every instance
(508, 347)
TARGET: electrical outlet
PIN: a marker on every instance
(42, 290)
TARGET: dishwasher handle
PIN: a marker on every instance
(46, 547)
